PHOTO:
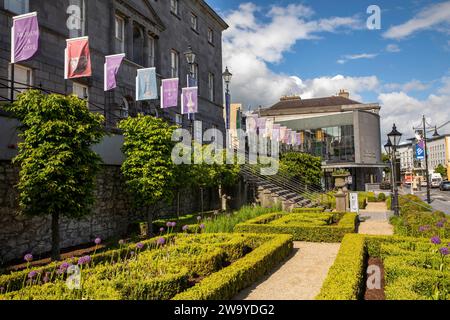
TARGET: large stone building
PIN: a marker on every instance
(152, 33)
(343, 132)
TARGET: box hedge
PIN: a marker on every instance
(310, 227)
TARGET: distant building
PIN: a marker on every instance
(343, 132)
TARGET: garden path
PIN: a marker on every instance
(377, 220)
(299, 278)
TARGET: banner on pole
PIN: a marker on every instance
(169, 93)
(228, 109)
(420, 150)
(77, 62)
(24, 37)
(250, 123)
(146, 88)
(283, 133)
(112, 65)
(189, 100)
(276, 132)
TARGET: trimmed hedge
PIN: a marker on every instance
(345, 277)
(228, 282)
(310, 227)
(308, 210)
(411, 269)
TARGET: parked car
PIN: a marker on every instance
(445, 186)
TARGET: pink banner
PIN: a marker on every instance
(169, 93)
(189, 100)
(77, 58)
(25, 37)
(112, 65)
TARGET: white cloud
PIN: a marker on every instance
(250, 44)
(406, 111)
(348, 57)
(392, 48)
(413, 85)
(433, 16)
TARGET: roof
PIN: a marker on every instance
(296, 105)
(214, 14)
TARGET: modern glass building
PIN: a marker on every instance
(343, 132)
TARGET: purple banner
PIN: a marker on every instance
(25, 37)
(189, 100)
(169, 93)
(228, 108)
(261, 124)
(112, 66)
(276, 132)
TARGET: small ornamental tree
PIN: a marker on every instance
(57, 165)
(148, 168)
(303, 167)
(442, 170)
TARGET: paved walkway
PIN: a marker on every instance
(376, 222)
(299, 278)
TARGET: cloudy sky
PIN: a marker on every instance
(314, 48)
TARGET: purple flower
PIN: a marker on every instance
(162, 230)
(169, 224)
(423, 228)
(132, 253)
(65, 265)
(173, 224)
(98, 241)
(444, 251)
(121, 242)
(46, 277)
(32, 274)
(161, 241)
(436, 240)
(28, 257)
(84, 260)
(185, 228)
(202, 226)
(140, 245)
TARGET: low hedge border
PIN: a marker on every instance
(345, 278)
(302, 231)
(228, 282)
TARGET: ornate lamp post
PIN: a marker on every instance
(395, 137)
(227, 75)
(191, 81)
(388, 149)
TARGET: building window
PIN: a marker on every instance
(194, 22)
(17, 6)
(81, 91)
(211, 86)
(210, 36)
(23, 79)
(174, 63)
(178, 119)
(124, 108)
(77, 12)
(138, 45)
(151, 51)
(120, 32)
(195, 73)
(174, 6)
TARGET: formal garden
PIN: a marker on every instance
(204, 255)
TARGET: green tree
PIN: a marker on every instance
(442, 170)
(57, 165)
(148, 168)
(302, 167)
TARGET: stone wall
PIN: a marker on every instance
(111, 215)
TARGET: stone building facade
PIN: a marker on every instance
(151, 33)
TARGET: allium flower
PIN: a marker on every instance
(436, 240)
(98, 241)
(199, 218)
(173, 224)
(444, 251)
(28, 257)
(169, 224)
(84, 260)
(202, 226)
(32, 274)
(121, 242)
(140, 245)
(64, 266)
(162, 230)
(423, 228)
(132, 253)
(46, 277)
(161, 241)
(185, 228)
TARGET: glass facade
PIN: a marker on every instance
(333, 144)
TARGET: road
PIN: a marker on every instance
(440, 199)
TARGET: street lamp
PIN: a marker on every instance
(190, 58)
(394, 137)
(436, 134)
(227, 75)
(388, 148)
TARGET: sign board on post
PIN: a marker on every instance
(420, 150)
(354, 203)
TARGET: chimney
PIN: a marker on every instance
(289, 98)
(344, 94)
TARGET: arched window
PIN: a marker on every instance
(138, 45)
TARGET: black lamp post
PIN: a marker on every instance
(227, 75)
(388, 149)
(190, 58)
(395, 137)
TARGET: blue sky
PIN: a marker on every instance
(312, 48)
